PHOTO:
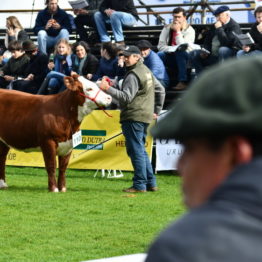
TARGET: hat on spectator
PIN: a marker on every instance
(28, 46)
(221, 9)
(130, 50)
(223, 101)
(144, 44)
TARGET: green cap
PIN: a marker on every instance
(225, 100)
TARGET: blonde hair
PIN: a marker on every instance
(66, 43)
(14, 22)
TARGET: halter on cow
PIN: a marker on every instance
(47, 123)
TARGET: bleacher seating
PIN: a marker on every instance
(136, 33)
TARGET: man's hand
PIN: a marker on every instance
(176, 26)
(246, 48)
(104, 85)
(218, 24)
(109, 11)
(30, 77)
(56, 25)
(9, 78)
(49, 24)
(259, 27)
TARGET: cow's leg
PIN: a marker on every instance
(3, 153)
(63, 162)
(49, 153)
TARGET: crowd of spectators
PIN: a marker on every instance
(174, 56)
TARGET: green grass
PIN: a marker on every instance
(93, 219)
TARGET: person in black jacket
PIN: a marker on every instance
(85, 17)
(36, 70)
(15, 67)
(116, 13)
(51, 25)
(84, 63)
(256, 34)
(219, 123)
(220, 43)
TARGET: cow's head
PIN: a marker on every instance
(94, 96)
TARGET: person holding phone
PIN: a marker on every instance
(14, 31)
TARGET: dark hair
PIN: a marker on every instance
(258, 10)
(15, 45)
(110, 48)
(179, 10)
(83, 44)
(47, 2)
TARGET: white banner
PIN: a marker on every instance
(168, 152)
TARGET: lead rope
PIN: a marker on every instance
(94, 100)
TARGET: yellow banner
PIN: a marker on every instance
(96, 128)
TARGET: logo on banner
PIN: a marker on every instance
(92, 139)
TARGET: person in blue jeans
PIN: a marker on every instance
(136, 99)
(117, 13)
(51, 25)
(59, 68)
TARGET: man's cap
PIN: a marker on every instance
(225, 100)
(28, 46)
(130, 50)
(221, 9)
(144, 44)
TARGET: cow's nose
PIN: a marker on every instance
(109, 99)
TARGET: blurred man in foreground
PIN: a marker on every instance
(219, 123)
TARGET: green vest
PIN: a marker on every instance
(141, 108)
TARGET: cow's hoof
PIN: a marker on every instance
(54, 190)
(3, 184)
(63, 190)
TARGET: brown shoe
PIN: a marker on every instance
(180, 86)
(133, 190)
(153, 189)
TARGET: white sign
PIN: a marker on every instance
(77, 138)
(168, 152)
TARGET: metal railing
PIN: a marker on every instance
(202, 7)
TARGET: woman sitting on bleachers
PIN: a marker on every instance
(59, 66)
(14, 31)
(84, 63)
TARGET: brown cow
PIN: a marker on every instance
(36, 122)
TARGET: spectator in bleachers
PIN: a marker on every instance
(153, 62)
(51, 24)
(256, 34)
(14, 31)
(85, 17)
(220, 42)
(173, 45)
(59, 68)
(84, 63)
(15, 67)
(35, 71)
(116, 13)
(108, 64)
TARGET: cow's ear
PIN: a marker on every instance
(71, 83)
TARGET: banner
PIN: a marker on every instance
(96, 128)
(168, 152)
